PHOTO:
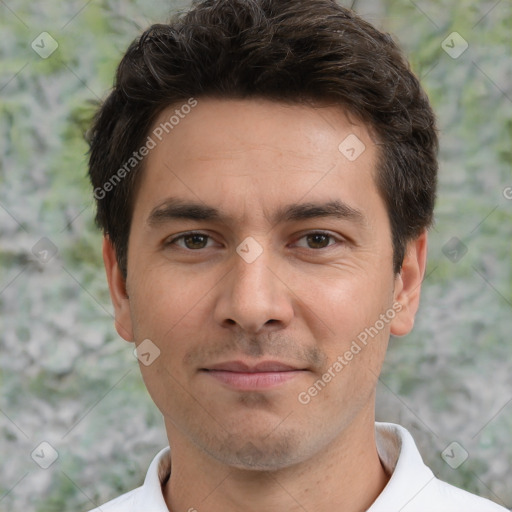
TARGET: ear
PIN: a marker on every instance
(118, 295)
(408, 285)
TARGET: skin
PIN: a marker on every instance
(301, 302)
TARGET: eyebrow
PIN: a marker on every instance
(175, 208)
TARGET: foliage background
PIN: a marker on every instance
(65, 376)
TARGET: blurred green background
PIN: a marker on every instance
(67, 378)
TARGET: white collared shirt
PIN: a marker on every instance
(411, 488)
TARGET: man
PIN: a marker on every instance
(265, 175)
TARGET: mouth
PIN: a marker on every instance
(246, 377)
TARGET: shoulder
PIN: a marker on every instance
(148, 497)
(123, 503)
(444, 497)
(412, 486)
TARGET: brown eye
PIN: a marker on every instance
(318, 240)
(195, 241)
(191, 241)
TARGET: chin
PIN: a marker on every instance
(259, 453)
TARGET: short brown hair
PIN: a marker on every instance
(284, 50)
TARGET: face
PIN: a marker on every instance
(260, 266)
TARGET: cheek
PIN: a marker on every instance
(163, 300)
(352, 335)
(168, 309)
(173, 311)
(346, 304)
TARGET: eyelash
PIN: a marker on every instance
(192, 233)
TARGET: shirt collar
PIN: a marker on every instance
(151, 498)
(396, 449)
(400, 456)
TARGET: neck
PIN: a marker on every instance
(347, 474)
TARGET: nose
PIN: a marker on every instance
(254, 296)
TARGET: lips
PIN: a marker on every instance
(262, 367)
(242, 376)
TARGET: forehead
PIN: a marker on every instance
(202, 131)
(254, 155)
